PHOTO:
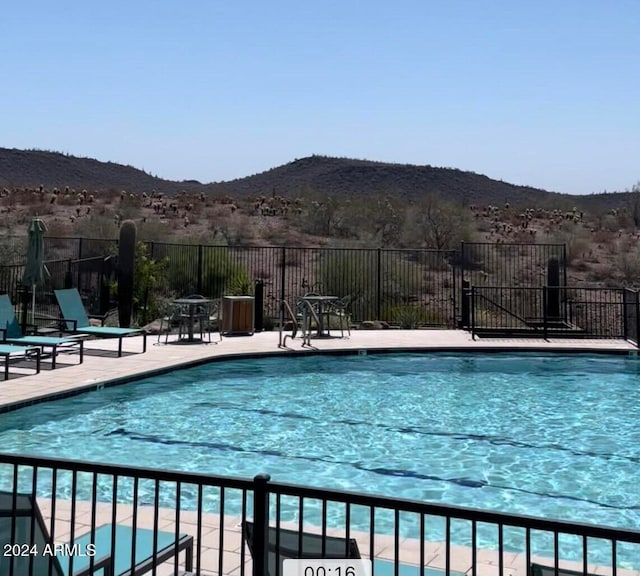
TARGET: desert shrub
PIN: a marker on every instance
(351, 272)
(220, 271)
(13, 249)
(604, 273)
(239, 284)
(436, 223)
(97, 226)
(627, 263)
(152, 231)
(149, 285)
(370, 282)
(409, 316)
(575, 242)
(58, 228)
(148, 275)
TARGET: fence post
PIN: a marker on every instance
(465, 306)
(199, 281)
(260, 524)
(79, 262)
(462, 274)
(625, 317)
(452, 263)
(379, 287)
(545, 303)
(472, 310)
(637, 303)
(283, 262)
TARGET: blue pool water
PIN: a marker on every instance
(553, 436)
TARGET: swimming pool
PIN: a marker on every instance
(553, 436)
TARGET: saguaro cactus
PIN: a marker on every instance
(126, 260)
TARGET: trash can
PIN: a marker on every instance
(237, 315)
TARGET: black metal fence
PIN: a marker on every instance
(631, 303)
(554, 311)
(200, 520)
(516, 265)
(90, 275)
(407, 288)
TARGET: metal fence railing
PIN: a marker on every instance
(406, 287)
(631, 303)
(554, 311)
(511, 264)
(202, 521)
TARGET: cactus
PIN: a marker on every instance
(126, 260)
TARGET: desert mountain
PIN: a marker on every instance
(312, 175)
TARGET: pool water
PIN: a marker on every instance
(554, 436)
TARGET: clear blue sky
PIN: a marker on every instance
(537, 92)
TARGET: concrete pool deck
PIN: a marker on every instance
(102, 367)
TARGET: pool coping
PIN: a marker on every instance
(71, 380)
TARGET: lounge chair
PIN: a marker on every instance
(288, 547)
(22, 524)
(75, 319)
(11, 333)
(8, 351)
(285, 544)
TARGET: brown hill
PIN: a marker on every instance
(315, 174)
(346, 176)
(32, 168)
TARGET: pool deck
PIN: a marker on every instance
(102, 367)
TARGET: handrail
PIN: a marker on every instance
(474, 294)
(305, 329)
(284, 306)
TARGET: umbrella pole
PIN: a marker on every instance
(25, 307)
(33, 305)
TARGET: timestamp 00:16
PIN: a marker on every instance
(326, 567)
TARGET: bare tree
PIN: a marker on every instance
(435, 223)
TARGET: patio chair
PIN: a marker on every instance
(338, 309)
(171, 316)
(285, 544)
(21, 523)
(210, 319)
(75, 319)
(11, 333)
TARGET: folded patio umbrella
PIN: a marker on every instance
(35, 270)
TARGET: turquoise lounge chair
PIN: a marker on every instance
(22, 524)
(75, 319)
(7, 351)
(11, 333)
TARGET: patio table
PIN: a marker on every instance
(322, 305)
(192, 305)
